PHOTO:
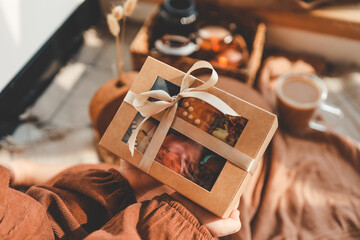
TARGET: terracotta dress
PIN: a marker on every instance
(91, 204)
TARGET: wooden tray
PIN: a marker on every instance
(249, 27)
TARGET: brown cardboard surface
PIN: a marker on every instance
(229, 184)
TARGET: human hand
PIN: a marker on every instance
(147, 187)
(217, 226)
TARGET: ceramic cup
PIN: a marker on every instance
(301, 103)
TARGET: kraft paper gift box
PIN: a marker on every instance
(203, 142)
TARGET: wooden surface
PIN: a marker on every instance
(348, 13)
(343, 21)
(57, 128)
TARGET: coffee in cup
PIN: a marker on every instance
(298, 97)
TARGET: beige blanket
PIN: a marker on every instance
(308, 187)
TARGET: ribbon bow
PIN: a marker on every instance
(165, 101)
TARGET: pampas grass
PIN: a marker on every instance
(117, 14)
(129, 7)
(113, 24)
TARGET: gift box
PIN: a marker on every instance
(197, 139)
(249, 27)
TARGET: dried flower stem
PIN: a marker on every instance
(119, 56)
(120, 13)
(114, 28)
(121, 63)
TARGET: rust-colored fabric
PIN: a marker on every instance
(308, 186)
(160, 218)
(79, 203)
(83, 203)
(21, 217)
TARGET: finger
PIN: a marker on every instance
(235, 214)
(225, 226)
(233, 222)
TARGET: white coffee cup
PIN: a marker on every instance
(301, 102)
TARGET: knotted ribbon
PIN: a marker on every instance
(165, 101)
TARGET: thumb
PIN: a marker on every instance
(225, 226)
